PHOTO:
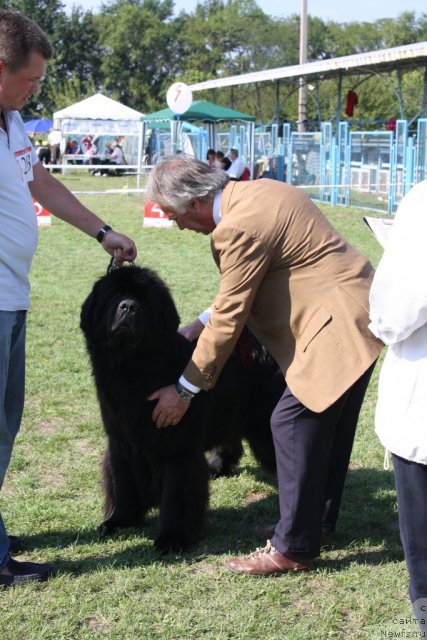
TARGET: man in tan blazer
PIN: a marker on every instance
(303, 290)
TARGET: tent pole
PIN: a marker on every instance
(424, 111)
(141, 141)
(339, 103)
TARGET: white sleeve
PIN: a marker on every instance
(398, 297)
(205, 315)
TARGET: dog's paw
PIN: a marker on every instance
(167, 542)
(218, 467)
(107, 528)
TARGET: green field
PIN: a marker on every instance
(121, 588)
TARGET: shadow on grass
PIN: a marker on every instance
(367, 532)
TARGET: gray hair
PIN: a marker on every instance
(176, 181)
(19, 37)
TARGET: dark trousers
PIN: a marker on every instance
(312, 456)
(411, 487)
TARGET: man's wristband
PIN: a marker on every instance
(183, 394)
(101, 233)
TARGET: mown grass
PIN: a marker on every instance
(121, 589)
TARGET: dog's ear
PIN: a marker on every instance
(168, 313)
(164, 316)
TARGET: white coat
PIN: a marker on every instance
(398, 312)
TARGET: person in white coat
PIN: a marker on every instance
(398, 312)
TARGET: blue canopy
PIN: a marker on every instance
(41, 125)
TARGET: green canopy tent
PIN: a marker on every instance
(205, 112)
(200, 111)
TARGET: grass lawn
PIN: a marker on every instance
(121, 588)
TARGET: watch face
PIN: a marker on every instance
(183, 394)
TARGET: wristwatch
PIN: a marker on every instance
(101, 233)
(183, 394)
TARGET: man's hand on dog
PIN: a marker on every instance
(170, 409)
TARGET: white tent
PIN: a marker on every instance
(98, 115)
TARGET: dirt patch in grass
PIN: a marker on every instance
(255, 497)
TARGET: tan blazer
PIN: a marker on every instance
(298, 284)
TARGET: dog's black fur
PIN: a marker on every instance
(130, 324)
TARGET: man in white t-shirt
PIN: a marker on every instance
(24, 50)
(237, 166)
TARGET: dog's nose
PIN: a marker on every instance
(127, 306)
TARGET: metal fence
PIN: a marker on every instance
(367, 169)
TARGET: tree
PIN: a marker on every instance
(138, 51)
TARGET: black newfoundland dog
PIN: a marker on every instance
(130, 324)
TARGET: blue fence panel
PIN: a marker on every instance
(341, 183)
(420, 169)
(370, 169)
(398, 163)
(325, 162)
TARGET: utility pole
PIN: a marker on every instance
(302, 94)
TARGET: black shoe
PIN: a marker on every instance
(21, 572)
(15, 545)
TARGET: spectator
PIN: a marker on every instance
(54, 141)
(72, 149)
(43, 152)
(117, 157)
(211, 157)
(222, 162)
(237, 167)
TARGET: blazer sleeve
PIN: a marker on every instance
(243, 261)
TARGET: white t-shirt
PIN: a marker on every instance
(54, 137)
(236, 168)
(18, 220)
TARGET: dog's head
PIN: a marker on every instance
(129, 309)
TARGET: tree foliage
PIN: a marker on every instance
(132, 50)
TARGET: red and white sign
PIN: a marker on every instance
(154, 216)
(43, 215)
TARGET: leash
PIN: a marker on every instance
(116, 265)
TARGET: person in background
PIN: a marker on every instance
(211, 157)
(237, 167)
(54, 141)
(86, 143)
(222, 162)
(72, 149)
(113, 155)
(117, 155)
(43, 152)
(303, 290)
(24, 50)
(398, 312)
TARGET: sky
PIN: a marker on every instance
(337, 10)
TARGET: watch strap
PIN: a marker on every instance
(101, 233)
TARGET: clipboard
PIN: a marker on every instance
(381, 228)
